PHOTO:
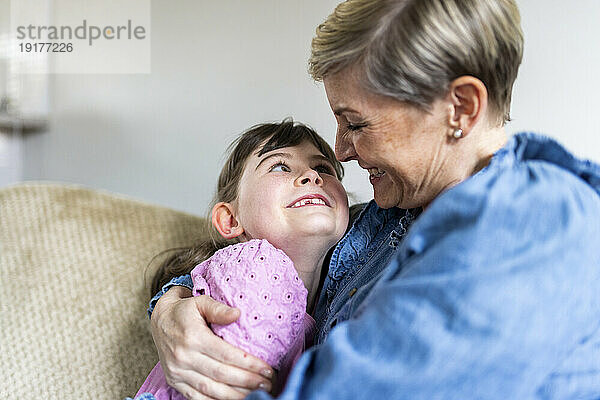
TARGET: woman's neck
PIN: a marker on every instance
(492, 141)
(470, 155)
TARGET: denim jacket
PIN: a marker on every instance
(493, 293)
(356, 262)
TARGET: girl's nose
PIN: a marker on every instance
(309, 176)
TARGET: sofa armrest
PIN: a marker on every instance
(74, 287)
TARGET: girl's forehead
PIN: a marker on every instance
(305, 151)
(305, 147)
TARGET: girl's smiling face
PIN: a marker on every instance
(292, 194)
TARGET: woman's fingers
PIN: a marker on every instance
(215, 312)
(223, 352)
(218, 349)
(193, 358)
(216, 360)
(204, 388)
(223, 373)
(190, 393)
(246, 392)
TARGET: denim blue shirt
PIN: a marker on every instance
(493, 293)
(356, 262)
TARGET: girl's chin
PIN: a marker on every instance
(316, 232)
(314, 226)
(320, 232)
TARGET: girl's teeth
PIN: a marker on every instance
(309, 201)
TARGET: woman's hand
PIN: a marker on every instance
(196, 362)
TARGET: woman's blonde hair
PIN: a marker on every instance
(412, 49)
(259, 139)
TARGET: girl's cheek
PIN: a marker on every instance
(342, 191)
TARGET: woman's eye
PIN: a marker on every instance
(280, 167)
(354, 127)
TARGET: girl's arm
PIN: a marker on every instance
(195, 361)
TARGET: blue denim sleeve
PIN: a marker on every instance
(143, 396)
(493, 292)
(184, 280)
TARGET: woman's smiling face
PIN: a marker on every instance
(405, 149)
(292, 193)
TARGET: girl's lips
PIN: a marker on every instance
(309, 197)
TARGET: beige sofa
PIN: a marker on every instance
(74, 288)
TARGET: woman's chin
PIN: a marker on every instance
(383, 200)
(388, 195)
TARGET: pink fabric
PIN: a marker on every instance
(156, 384)
(261, 281)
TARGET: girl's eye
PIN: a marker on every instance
(280, 167)
(324, 169)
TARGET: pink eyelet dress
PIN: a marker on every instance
(262, 282)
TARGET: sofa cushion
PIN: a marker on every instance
(74, 285)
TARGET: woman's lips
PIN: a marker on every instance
(374, 180)
(375, 175)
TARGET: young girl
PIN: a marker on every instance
(280, 206)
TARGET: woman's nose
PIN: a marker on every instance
(309, 176)
(344, 148)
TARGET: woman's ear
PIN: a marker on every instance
(223, 219)
(469, 101)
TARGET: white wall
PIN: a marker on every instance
(10, 140)
(558, 88)
(219, 67)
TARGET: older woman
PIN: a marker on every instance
(492, 291)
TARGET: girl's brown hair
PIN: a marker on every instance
(264, 138)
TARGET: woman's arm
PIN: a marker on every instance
(195, 361)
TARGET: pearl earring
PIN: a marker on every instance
(458, 133)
